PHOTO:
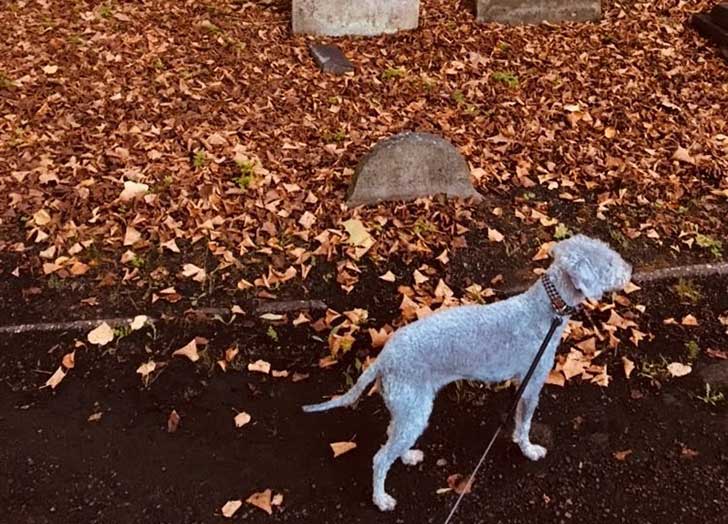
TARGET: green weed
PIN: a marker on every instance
(711, 397)
(272, 334)
(714, 246)
(687, 291)
(199, 160)
(561, 232)
(391, 73)
(507, 78)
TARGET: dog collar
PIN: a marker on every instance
(557, 303)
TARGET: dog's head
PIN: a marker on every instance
(592, 266)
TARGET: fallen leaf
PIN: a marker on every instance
(132, 236)
(50, 69)
(688, 453)
(277, 499)
(102, 335)
(358, 234)
(628, 366)
(459, 484)
(678, 369)
(138, 322)
(631, 288)
(241, 419)
(272, 317)
(173, 421)
(41, 218)
(133, 190)
(230, 507)
(189, 350)
(56, 378)
(145, 369)
(556, 378)
(339, 448)
(261, 366)
(388, 277)
(195, 273)
(95, 417)
(379, 337)
(419, 277)
(543, 251)
(714, 353)
(622, 455)
(262, 500)
(69, 360)
(171, 245)
(689, 320)
(79, 268)
(494, 235)
(683, 155)
(279, 373)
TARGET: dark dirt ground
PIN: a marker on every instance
(56, 467)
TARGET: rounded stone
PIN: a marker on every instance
(408, 166)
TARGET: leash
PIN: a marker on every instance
(556, 322)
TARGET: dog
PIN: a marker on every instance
(490, 343)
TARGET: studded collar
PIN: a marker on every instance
(557, 303)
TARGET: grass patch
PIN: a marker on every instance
(393, 72)
(687, 291)
(507, 78)
(714, 246)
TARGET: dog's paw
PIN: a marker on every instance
(384, 502)
(413, 457)
(533, 451)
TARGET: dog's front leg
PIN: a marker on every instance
(524, 414)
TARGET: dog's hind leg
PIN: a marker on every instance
(524, 414)
(410, 408)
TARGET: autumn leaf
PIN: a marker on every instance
(388, 277)
(339, 448)
(683, 155)
(133, 190)
(260, 366)
(230, 507)
(689, 320)
(41, 218)
(494, 235)
(556, 378)
(56, 378)
(173, 421)
(241, 419)
(189, 350)
(622, 455)
(459, 484)
(50, 69)
(543, 251)
(419, 277)
(146, 369)
(678, 369)
(358, 235)
(69, 360)
(102, 335)
(262, 500)
(628, 366)
(132, 236)
(138, 322)
(379, 337)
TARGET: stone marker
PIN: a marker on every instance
(330, 59)
(537, 11)
(408, 166)
(354, 17)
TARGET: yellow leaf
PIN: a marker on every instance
(379, 337)
(41, 217)
(241, 419)
(339, 448)
(262, 500)
(261, 366)
(56, 378)
(358, 235)
(230, 507)
(189, 351)
(102, 335)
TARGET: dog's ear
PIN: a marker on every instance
(583, 275)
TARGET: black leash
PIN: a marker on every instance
(556, 322)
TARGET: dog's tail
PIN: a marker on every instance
(350, 396)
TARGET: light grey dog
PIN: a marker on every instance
(492, 343)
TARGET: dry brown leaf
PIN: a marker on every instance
(56, 378)
(69, 360)
(133, 190)
(277, 499)
(173, 421)
(41, 217)
(543, 251)
(459, 483)
(230, 507)
(102, 335)
(683, 155)
(146, 369)
(95, 417)
(241, 419)
(628, 366)
(556, 378)
(494, 235)
(262, 500)
(388, 277)
(339, 448)
(189, 350)
(689, 320)
(260, 366)
(132, 236)
(622, 455)
(715, 353)
(138, 322)
(419, 277)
